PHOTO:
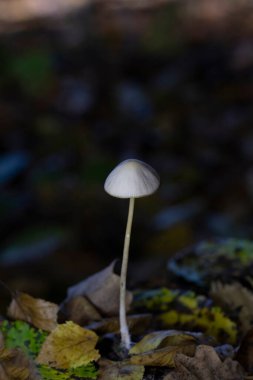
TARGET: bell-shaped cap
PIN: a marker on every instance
(132, 179)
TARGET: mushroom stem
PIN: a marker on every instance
(125, 336)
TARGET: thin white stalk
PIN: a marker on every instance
(125, 336)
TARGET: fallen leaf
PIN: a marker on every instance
(69, 346)
(81, 311)
(109, 370)
(245, 352)
(137, 324)
(159, 339)
(205, 365)
(159, 348)
(15, 365)
(102, 289)
(235, 297)
(40, 313)
(163, 356)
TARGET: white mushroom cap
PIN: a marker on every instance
(132, 179)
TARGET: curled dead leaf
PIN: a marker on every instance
(160, 339)
(81, 311)
(15, 365)
(159, 348)
(163, 356)
(41, 314)
(205, 365)
(69, 346)
(102, 289)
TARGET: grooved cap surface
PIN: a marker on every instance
(132, 178)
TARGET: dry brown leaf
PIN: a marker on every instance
(14, 365)
(245, 352)
(161, 339)
(235, 297)
(102, 289)
(39, 313)
(205, 365)
(137, 324)
(159, 348)
(163, 356)
(69, 345)
(109, 370)
(81, 311)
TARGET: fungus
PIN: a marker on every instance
(130, 179)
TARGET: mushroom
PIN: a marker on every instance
(130, 179)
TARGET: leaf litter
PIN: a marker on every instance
(205, 365)
(235, 298)
(182, 332)
(39, 313)
(102, 290)
(69, 346)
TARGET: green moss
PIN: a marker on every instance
(84, 372)
(21, 335)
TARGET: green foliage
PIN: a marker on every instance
(155, 300)
(89, 371)
(47, 372)
(160, 299)
(84, 372)
(212, 322)
(190, 300)
(21, 335)
(186, 309)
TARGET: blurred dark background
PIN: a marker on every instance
(86, 85)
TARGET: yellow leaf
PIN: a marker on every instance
(39, 313)
(163, 338)
(159, 348)
(69, 346)
(163, 356)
